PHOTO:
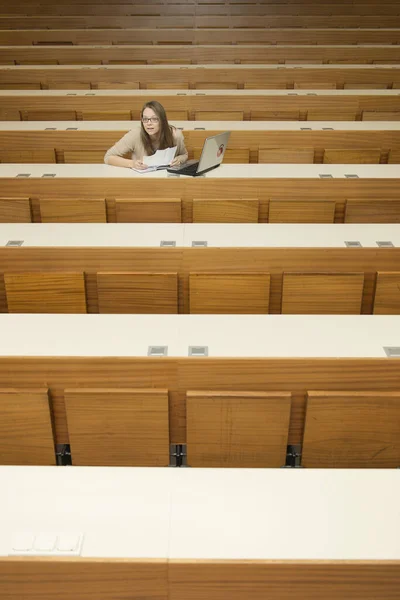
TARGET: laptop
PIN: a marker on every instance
(211, 157)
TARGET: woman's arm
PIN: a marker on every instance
(114, 156)
(181, 152)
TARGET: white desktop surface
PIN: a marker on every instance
(228, 235)
(122, 512)
(286, 514)
(231, 514)
(187, 92)
(124, 126)
(227, 336)
(225, 171)
(98, 234)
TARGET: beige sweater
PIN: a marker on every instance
(131, 143)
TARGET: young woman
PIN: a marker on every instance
(154, 133)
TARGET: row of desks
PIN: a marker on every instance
(237, 76)
(281, 35)
(210, 53)
(195, 533)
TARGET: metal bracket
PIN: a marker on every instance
(167, 244)
(177, 455)
(293, 456)
(351, 176)
(199, 244)
(63, 455)
(49, 175)
(21, 175)
(325, 176)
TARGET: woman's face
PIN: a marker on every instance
(150, 121)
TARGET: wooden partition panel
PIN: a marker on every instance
(387, 294)
(148, 210)
(54, 114)
(103, 115)
(67, 578)
(229, 293)
(115, 85)
(369, 211)
(274, 115)
(381, 115)
(83, 156)
(394, 157)
(26, 427)
(225, 211)
(70, 210)
(356, 156)
(322, 293)
(45, 292)
(352, 430)
(218, 115)
(301, 211)
(15, 210)
(118, 427)
(280, 155)
(28, 156)
(237, 429)
(322, 114)
(127, 292)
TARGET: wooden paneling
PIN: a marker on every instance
(218, 115)
(314, 85)
(116, 85)
(387, 294)
(77, 157)
(274, 115)
(148, 210)
(225, 211)
(27, 156)
(283, 155)
(173, 85)
(237, 429)
(232, 155)
(394, 157)
(70, 578)
(127, 292)
(104, 115)
(48, 115)
(177, 115)
(26, 429)
(15, 210)
(366, 86)
(229, 293)
(381, 115)
(216, 85)
(301, 211)
(322, 293)
(283, 580)
(43, 292)
(69, 210)
(370, 211)
(357, 156)
(67, 85)
(352, 430)
(321, 114)
(118, 427)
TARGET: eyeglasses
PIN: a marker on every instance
(150, 119)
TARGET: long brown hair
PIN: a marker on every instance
(166, 138)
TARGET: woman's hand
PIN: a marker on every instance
(176, 162)
(138, 164)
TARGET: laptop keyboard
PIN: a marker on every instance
(189, 170)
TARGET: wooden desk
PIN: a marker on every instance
(335, 105)
(87, 141)
(182, 542)
(214, 76)
(279, 35)
(210, 53)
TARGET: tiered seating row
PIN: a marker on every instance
(206, 76)
(254, 105)
(330, 35)
(149, 402)
(183, 54)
